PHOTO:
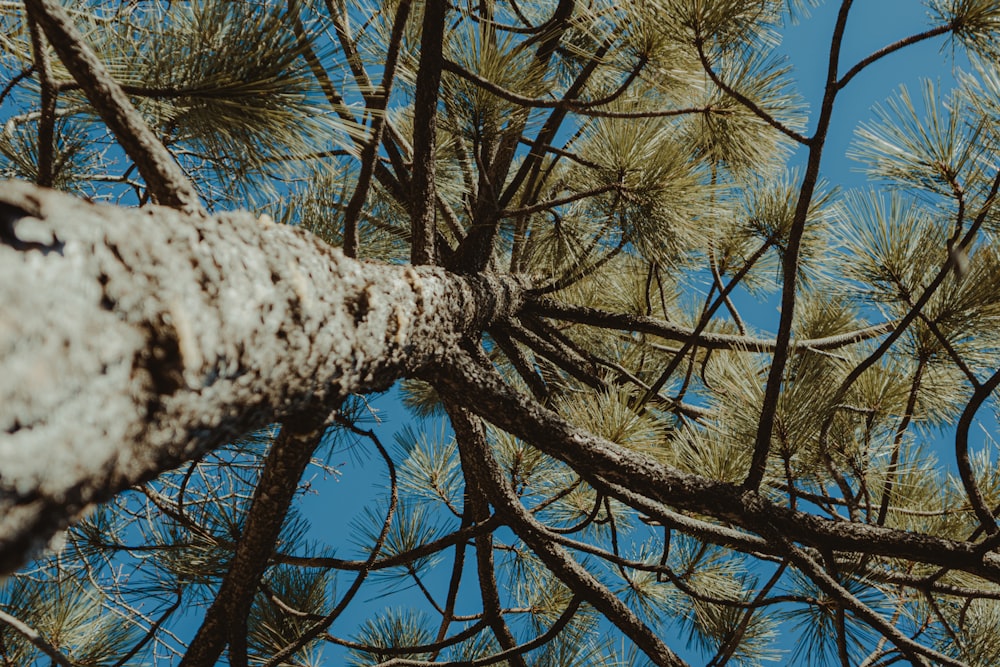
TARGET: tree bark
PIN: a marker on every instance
(132, 341)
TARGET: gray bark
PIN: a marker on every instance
(132, 341)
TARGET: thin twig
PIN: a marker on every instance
(892, 48)
(377, 105)
(790, 268)
(16, 79)
(743, 99)
(320, 626)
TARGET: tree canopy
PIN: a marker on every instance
(542, 223)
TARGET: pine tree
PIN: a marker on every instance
(542, 220)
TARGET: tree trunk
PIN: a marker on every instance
(132, 341)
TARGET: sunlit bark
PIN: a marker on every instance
(134, 340)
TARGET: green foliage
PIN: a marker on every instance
(938, 153)
(271, 627)
(393, 630)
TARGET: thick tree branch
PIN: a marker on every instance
(597, 459)
(150, 336)
(425, 103)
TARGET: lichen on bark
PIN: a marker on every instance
(134, 340)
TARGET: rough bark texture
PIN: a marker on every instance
(133, 340)
(425, 105)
